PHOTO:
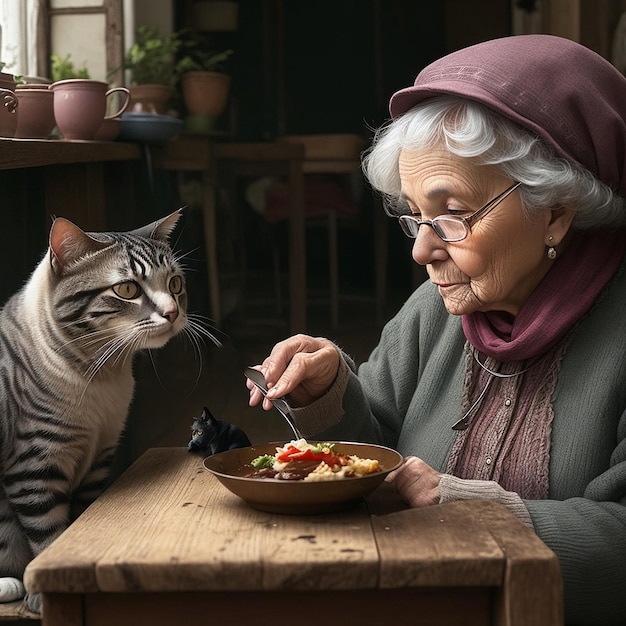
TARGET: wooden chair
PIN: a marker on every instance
(340, 155)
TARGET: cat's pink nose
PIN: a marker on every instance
(171, 316)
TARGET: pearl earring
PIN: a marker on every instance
(551, 252)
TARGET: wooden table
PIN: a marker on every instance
(167, 544)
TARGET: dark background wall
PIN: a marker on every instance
(329, 66)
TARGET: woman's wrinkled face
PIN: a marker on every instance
(497, 266)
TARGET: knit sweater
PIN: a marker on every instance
(409, 393)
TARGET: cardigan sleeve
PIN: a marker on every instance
(588, 534)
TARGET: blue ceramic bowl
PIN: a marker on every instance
(149, 128)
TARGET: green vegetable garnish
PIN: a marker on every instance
(261, 462)
(322, 448)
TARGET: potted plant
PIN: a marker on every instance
(204, 84)
(152, 62)
(63, 68)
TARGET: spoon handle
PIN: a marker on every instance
(280, 404)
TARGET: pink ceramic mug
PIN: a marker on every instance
(8, 113)
(36, 113)
(80, 106)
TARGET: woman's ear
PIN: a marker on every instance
(558, 225)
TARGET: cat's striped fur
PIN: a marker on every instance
(66, 346)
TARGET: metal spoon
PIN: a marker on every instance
(279, 404)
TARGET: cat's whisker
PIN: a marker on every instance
(121, 344)
(197, 344)
(180, 256)
(200, 322)
(91, 338)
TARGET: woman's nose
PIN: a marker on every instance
(428, 246)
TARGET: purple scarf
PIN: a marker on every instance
(560, 300)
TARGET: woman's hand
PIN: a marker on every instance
(302, 367)
(416, 482)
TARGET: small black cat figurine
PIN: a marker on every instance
(212, 435)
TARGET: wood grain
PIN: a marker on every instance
(438, 545)
(132, 536)
(167, 543)
(16, 612)
(19, 153)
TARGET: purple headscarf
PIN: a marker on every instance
(562, 91)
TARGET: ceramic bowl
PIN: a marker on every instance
(149, 128)
(297, 497)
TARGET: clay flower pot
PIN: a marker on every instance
(150, 98)
(80, 106)
(36, 116)
(205, 93)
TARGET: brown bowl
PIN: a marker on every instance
(299, 497)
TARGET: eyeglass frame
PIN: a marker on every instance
(467, 221)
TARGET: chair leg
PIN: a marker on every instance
(333, 266)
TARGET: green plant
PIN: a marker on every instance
(152, 58)
(197, 59)
(63, 68)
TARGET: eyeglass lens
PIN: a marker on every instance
(447, 228)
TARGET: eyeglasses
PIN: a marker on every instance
(452, 228)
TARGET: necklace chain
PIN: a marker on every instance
(498, 374)
(464, 422)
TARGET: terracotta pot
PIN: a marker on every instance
(36, 116)
(205, 93)
(150, 98)
(80, 106)
(8, 113)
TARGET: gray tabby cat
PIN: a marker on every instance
(66, 383)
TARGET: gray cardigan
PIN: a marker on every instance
(408, 395)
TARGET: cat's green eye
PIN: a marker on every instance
(127, 290)
(176, 285)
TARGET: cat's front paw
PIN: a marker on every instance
(33, 601)
(11, 589)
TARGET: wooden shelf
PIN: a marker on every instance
(22, 153)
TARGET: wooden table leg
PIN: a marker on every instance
(62, 609)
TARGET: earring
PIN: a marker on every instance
(551, 252)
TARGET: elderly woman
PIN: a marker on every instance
(504, 375)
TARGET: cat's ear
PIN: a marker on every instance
(206, 416)
(161, 229)
(69, 243)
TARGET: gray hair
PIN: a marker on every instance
(469, 129)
